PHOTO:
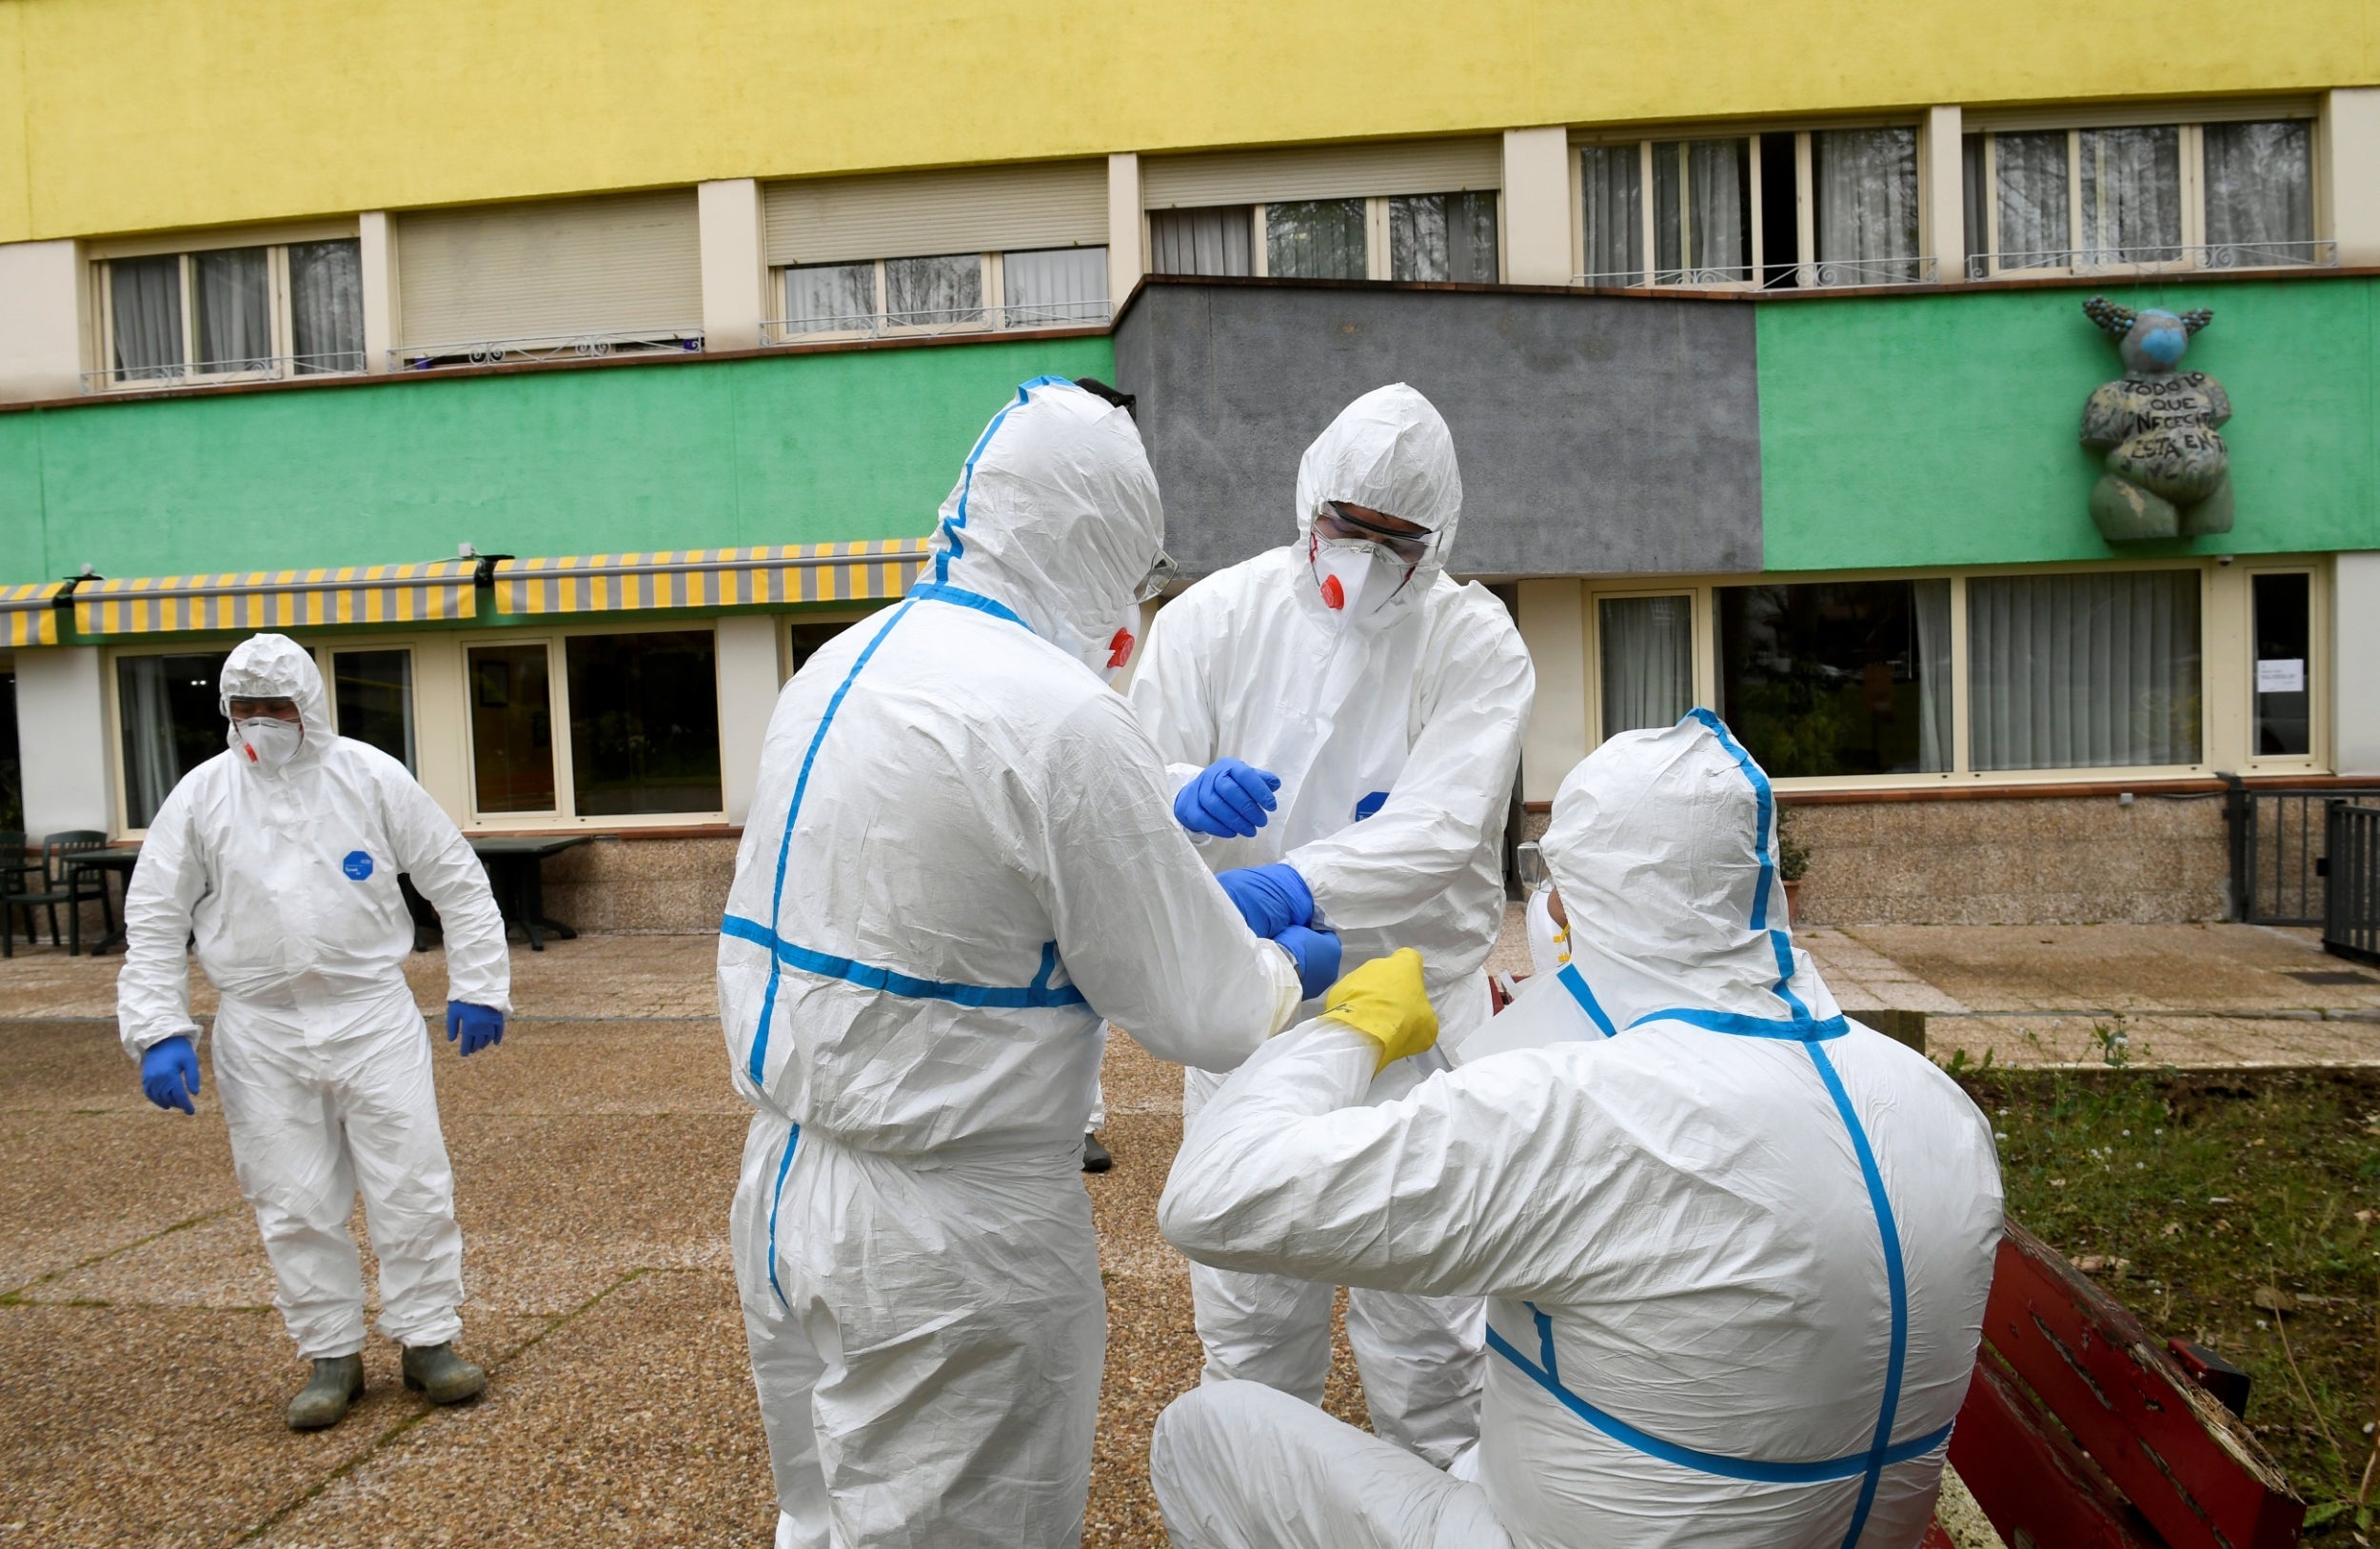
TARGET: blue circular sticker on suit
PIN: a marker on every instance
(358, 865)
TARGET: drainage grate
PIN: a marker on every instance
(2332, 976)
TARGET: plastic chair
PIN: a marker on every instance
(64, 883)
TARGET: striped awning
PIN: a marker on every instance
(710, 577)
(277, 599)
(31, 612)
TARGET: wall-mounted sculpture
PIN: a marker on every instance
(2167, 472)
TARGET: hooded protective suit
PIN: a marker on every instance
(1737, 1246)
(961, 858)
(1396, 736)
(289, 880)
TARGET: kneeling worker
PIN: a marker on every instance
(282, 855)
(1737, 1247)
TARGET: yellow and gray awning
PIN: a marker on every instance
(277, 599)
(711, 577)
(32, 611)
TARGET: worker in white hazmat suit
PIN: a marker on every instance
(1736, 1245)
(282, 854)
(1342, 721)
(961, 858)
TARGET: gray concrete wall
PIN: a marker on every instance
(1597, 435)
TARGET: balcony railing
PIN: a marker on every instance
(2154, 259)
(222, 373)
(1829, 273)
(545, 348)
(838, 326)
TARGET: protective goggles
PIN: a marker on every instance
(1336, 521)
(1164, 572)
(1529, 865)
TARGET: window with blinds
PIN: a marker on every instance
(556, 278)
(1411, 210)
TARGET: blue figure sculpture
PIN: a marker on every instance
(2167, 472)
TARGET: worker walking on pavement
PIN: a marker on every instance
(961, 859)
(282, 854)
(1342, 721)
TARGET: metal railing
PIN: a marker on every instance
(2350, 911)
(222, 373)
(551, 346)
(2279, 854)
(2153, 259)
(1830, 273)
(833, 326)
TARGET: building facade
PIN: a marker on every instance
(562, 420)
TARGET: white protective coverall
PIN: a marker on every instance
(961, 856)
(1738, 1247)
(1426, 706)
(321, 1060)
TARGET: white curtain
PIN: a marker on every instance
(2033, 210)
(1647, 645)
(1866, 205)
(234, 310)
(326, 307)
(1315, 239)
(830, 298)
(145, 310)
(1701, 222)
(150, 768)
(929, 291)
(1612, 193)
(2260, 193)
(2084, 671)
(1054, 285)
(1443, 236)
(1933, 603)
(2131, 195)
(1219, 242)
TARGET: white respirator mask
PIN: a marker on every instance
(1360, 582)
(265, 742)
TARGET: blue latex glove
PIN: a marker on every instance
(170, 1073)
(1316, 952)
(1271, 899)
(1227, 799)
(479, 1025)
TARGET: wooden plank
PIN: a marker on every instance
(2190, 1468)
(2030, 1479)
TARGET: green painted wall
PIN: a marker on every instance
(1940, 429)
(783, 449)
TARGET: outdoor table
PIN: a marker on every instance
(516, 874)
(116, 858)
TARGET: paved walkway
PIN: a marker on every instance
(595, 1153)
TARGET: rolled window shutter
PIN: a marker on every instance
(917, 214)
(1248, 177)
(614, 264)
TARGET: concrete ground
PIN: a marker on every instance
(595, 1152)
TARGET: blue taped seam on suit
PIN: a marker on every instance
(1576, 983)
(784, 1166)
(892, 981)
(957, 546)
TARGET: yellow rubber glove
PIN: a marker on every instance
(1384, 1001)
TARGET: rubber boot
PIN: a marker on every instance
(446, 1378)
(1095, 1157)
(338, 1381)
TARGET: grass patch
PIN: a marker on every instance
(2202, 1201)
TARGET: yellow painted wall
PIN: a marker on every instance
(124, 115)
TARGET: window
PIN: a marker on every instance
(2216, 195)
(1838, 678)
(512, 728)
(1442, 237)
(372, 699)
(2084, 671)
(644, 723)
(2284, 635)
(171, 716)
(640, 709)
(805, 640)
(1647, 649)
(1047, 288)
(225, 314)
(1814, 208)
